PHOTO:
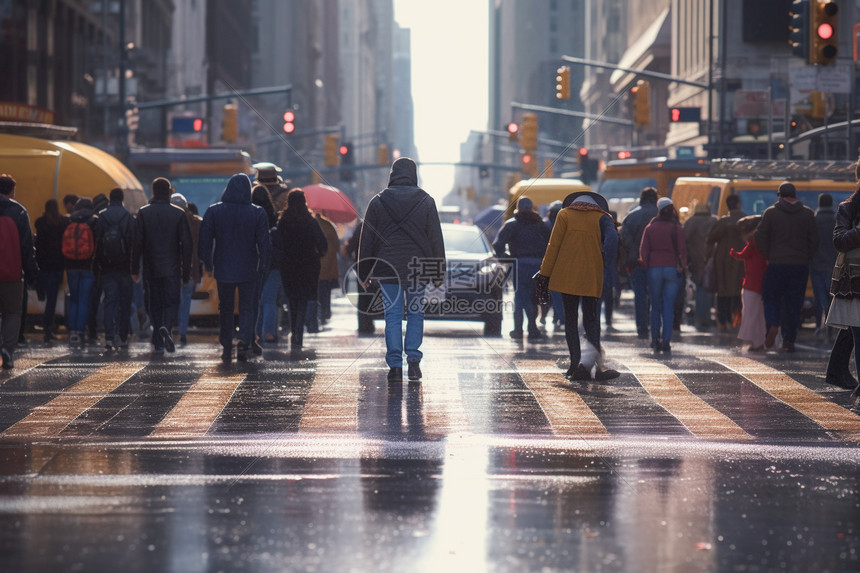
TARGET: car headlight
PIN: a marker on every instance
(488, 268)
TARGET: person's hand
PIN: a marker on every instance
(135, 278)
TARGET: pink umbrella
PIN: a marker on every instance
(331, 202)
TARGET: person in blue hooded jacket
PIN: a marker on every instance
(234, 245)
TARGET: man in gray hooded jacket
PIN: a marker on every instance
(401, 247)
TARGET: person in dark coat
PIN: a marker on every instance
(696, 231)
(364, 299)
(116, 224)
(844, 311)
(402, 248)
(631, 238)
(80, 275)
(723, 237)
(187, 292)
(49, 256)
(788, 239)
(298, 243)
(234, 245)
(16, 248)
(269, 288)
(100, 203)
(162, 239)
(524, 238)
(821, 266)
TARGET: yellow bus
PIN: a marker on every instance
(542, 191)
(624, 179)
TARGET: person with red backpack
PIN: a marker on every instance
(17, 262)
(79, 247)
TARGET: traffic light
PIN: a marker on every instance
(529, 135)
(382, 157)
(685, 114)
(799, 29)
(587, 167)
(330, 154)
(530, 164)
(347, 162)
(642, 103)
(562, 83)
(230, 123)
(513, 131)
(824, 27)
(289, 122)
(187, 124)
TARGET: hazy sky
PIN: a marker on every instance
(449, 79)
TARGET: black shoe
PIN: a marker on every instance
(578, 374)
(167, 339)
(183, 340)
(22, 341)
(655, 344)
(256, 348)
(788, 347)
(8, 361)
(227, 355)
(414, 371)
(845, 381)
(108, 347)
(516, 334)
(242, 352)
(665, 348)
(609, 374)
(395, 374)
(536, 337)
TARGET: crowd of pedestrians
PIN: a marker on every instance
(262, 242)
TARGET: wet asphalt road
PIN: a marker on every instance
(709, 460)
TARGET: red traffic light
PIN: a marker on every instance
(513, 128)
(825, 31)
(583, 152)
(197, 124)
(343, 150)
(527, 158)
(289, 118)
(624, 155)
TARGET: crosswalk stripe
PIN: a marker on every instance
(332, 401)
(200, 406)
(783, 387)
(50, 419)
(701, 419)
(567, 412)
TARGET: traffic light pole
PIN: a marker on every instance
(554, 110)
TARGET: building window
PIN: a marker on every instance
(553, 46)
(553, 25)
(553, 5)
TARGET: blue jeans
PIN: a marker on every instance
(557, 307)
(782, 293)
(49, 282)
(639, 284)
(185, 307)
(392, 298)
(267, 316)
(704, 303)
(226, 304)
(663, 285)
(821, 292)
(523, 293)
(80, 284)
(117, 306)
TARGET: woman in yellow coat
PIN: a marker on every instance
(574, 265)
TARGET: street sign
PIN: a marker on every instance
(685, 114)
(834, 79)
